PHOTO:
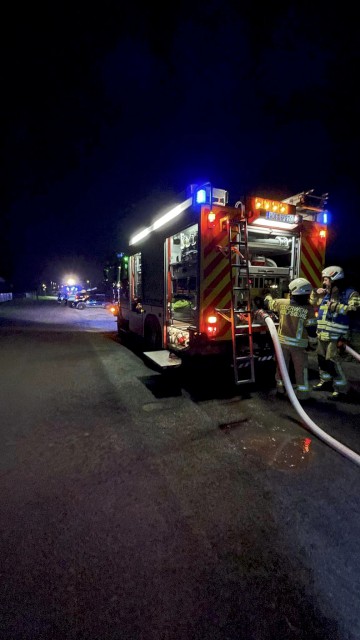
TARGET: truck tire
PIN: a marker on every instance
(80, 305)
(152, 334)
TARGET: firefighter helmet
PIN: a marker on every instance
(300, 287)
(334, 273)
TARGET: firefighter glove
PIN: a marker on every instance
(267, 301)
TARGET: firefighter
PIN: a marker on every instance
(337, 304)
(297, 331)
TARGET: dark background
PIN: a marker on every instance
(106, 110)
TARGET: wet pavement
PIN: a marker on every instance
(142, 507)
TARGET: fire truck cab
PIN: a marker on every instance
(192, 281)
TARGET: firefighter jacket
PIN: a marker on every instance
(297, 323)
(333, 315)
(316, 298)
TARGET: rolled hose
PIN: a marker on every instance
(338, 446)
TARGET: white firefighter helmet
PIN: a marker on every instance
(300, 287)
(334, 273)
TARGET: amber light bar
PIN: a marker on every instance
(275, 206)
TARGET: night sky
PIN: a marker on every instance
(108, 106)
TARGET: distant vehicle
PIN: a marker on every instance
(93, 300)
(66, 293)
(75, 297)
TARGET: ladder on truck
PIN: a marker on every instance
(242, 343)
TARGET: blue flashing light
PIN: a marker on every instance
(325, 217)
(201, 196)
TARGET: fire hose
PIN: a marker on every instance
(310, 424)
(342, 345)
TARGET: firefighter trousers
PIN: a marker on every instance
(299, 357)
(329, 362)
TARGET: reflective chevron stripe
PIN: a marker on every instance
(312, 256)
(215, 286)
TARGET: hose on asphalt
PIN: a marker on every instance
(310, 424)
(353, 353)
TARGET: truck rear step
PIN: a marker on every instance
(163, 359)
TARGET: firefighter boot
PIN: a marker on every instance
(339, 395)
(280, 389)
(323, 385)
(340, 384)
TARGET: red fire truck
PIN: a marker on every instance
(192, 281)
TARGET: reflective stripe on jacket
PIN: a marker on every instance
(333, 319)
(294, 321)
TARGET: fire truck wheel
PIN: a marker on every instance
(152, 335)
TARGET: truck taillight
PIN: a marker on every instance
(322, 234)
(211, 220)
(211, 327)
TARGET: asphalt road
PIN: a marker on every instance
(138, 507)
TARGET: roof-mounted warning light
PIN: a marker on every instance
(206, 194)
(203, 196)
(324, 217)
